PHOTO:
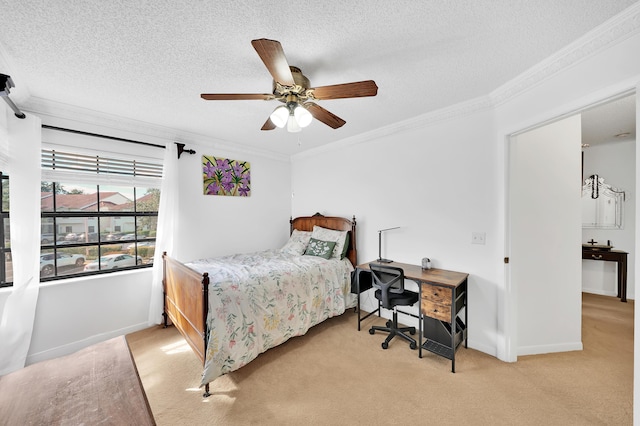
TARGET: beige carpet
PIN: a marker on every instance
(337, 375)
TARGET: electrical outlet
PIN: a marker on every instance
(478, 238)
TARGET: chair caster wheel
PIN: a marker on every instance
(385, 345)
(389, 324)
(412, 332)
(372, 331)
(412, 345)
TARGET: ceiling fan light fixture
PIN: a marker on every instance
(302, 116)
(293, 88)
(292, 125)
(279, 116)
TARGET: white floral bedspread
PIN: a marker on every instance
(260, 300)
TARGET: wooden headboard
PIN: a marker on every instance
(306, 223)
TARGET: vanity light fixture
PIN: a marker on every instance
(595, 186)
(595, 182)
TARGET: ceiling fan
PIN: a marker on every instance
(291, 87)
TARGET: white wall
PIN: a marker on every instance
(443, 178)
(598, 76)
(439, 177)
(75, 313)
(615, 163)
(217, 225)
(438, 183)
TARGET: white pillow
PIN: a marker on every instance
(297, 243)
(324, 234)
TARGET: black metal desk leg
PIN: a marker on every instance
(358, 296)
(420, 319)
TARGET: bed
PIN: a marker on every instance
(232, 308)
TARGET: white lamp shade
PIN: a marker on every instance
(303, 117)
(279, 116)
(292, 125)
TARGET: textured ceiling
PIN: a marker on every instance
(150, 60)
(611, 122)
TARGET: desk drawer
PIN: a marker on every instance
(438, 311)
(436, 294)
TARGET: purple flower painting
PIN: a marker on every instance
(222, 176)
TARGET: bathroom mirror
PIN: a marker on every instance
(602, 204)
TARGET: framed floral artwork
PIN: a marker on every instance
(221, 176)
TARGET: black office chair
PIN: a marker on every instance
(390, 292)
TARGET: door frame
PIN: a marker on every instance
(508, 315)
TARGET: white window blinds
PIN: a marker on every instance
(68, 157)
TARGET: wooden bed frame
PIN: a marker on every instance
(186, 292)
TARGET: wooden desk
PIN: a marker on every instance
(443, 294)
(618, 256)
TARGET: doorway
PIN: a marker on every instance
(545, 315)
(609, 151)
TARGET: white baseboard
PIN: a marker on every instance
(72, 347)
(599, 291)
(547, 349)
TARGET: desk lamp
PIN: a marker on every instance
(380, 259)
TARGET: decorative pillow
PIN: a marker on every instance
(345, 249)
(320, 248)
(297, 243)
(340, 237)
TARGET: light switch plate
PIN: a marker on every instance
(478, 238)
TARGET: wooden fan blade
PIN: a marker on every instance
(346, 90)
(271, 53)
(268, 125)
(236, 96)
(325, 116)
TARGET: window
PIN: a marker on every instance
(91, 228)
(6, 270)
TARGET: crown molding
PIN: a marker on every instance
(613, 31)
(77, 118)
(454, 111)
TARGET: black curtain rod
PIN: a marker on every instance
(6, 83)
(79, 132)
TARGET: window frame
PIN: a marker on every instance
(55, 248)
(5, 251)
(70, 157)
